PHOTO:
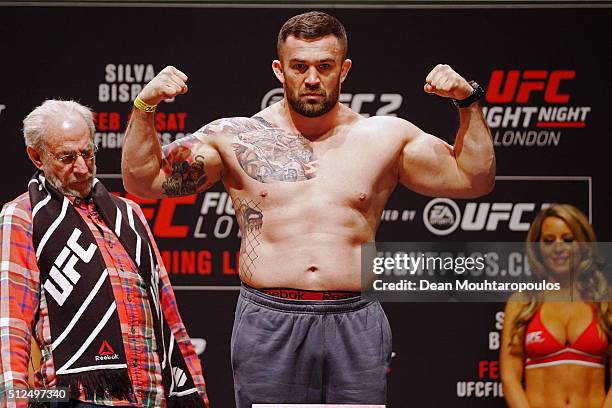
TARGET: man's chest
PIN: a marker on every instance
(275, 158)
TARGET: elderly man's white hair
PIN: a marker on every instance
(35, 125)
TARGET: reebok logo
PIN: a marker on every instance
(286, 294)
(105, 349)
(106, 352)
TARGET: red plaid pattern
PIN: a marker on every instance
(20, 301)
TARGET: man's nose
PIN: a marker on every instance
(312, 77)
(81, 166)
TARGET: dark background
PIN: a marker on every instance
(62, 52)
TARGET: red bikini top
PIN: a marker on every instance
(543, 349)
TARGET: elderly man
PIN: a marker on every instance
(80, 272)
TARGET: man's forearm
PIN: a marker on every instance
(141, 156)
(172, 316)
(473, 149)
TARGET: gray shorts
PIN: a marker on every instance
(309, 351)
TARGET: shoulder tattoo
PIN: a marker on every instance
(185, 172)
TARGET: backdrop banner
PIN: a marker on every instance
(546, 71)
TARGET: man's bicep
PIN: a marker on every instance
(190, 165)
(428, 166)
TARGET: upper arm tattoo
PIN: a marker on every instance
(268, 154)
(185, 172)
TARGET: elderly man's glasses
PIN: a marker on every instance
(70, 158)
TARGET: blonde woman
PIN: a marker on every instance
(554, 350)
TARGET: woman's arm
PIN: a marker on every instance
(511, 359)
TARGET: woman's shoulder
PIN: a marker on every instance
(516, 302)
(519, 298)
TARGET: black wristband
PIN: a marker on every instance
(477, 93)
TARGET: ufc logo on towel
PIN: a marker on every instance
(62, 269)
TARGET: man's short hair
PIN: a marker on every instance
(310, 26)
(36, 124)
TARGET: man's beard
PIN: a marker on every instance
(66, 190)
(318, 108)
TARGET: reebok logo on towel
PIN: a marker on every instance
(106, 352)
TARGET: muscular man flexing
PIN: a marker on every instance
(309, 178)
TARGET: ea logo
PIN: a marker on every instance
(272, 96)
(441, 216)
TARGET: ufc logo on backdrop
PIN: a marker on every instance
(487, 216)
(514, 86)
(63, 273)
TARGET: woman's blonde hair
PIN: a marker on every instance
(588, 271)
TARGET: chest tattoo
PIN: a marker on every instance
(269, 154)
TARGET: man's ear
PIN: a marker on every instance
(346, 66)
(277, 67)
(35, 156)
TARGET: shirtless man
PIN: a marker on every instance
(309, 179)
